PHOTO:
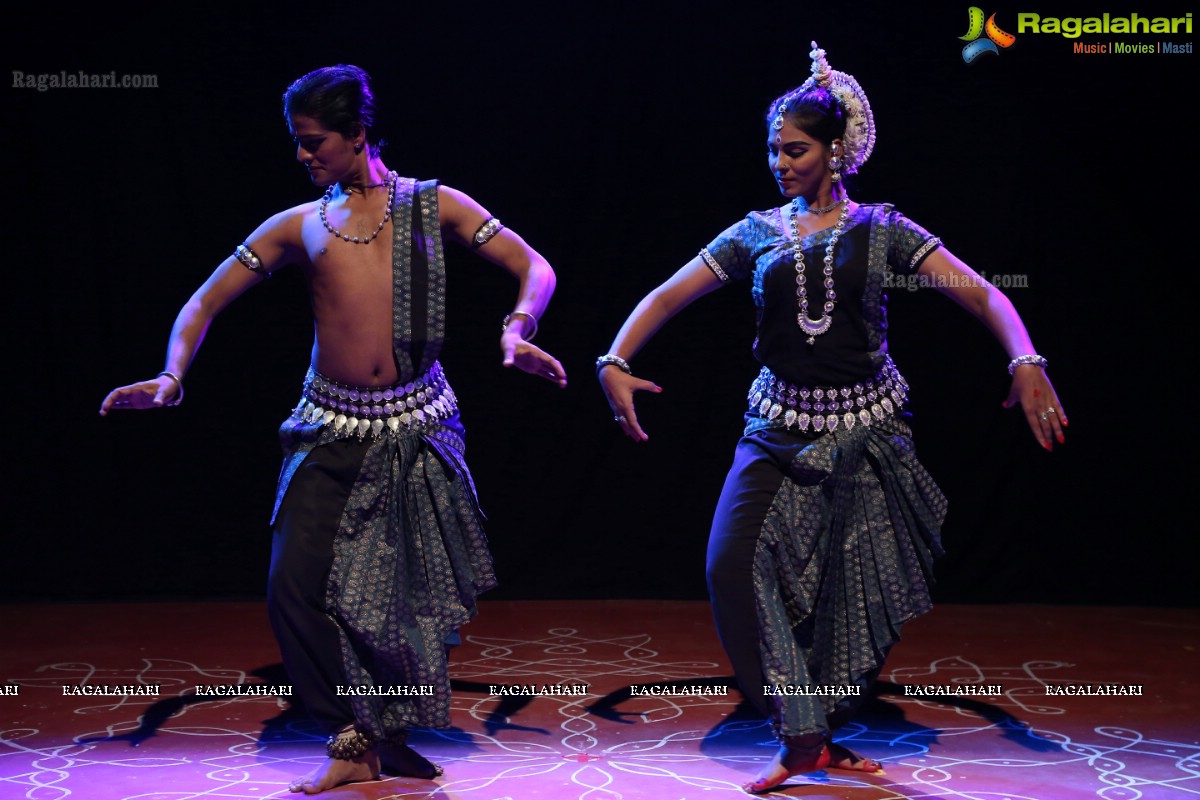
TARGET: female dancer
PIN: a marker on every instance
(824, 536)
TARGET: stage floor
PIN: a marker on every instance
(1036, 738)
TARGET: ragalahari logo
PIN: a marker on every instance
(976, 27)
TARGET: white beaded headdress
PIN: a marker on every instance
(859, 139)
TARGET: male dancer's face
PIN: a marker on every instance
(327, 155)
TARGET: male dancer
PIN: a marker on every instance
(378, 552)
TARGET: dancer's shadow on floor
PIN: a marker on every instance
(885, 715)
(608, 706)
(500, 717)
(157, 714)
(880, 720)
(293, 723)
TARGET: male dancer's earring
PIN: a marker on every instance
(358, 148)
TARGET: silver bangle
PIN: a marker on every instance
(616, 361)
(1032, 358)
(178, 382)
(508, 319)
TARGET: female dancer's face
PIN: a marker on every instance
(799, 163)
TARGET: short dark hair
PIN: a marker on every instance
(339, 98)
(816, 112)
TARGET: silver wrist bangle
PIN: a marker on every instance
(1032, 358)
(616, 361)
(508, 318)
(178, 382)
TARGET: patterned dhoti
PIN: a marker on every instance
(378, 558)
(822, 546)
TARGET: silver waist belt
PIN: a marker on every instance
(828, 407)
(378, 410)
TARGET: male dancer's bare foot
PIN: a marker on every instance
(844, 758)
(397, 758)
(797, 754)
(336, 771)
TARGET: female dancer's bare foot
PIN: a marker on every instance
(844, 758)
(797, 754)
(336, 771)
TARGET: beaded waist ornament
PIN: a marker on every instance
(828, 408)
(376, 410)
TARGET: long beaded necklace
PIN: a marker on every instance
(815, 327)
(387, 214)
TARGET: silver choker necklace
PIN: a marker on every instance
(822, 209)
(815, 327)
(362, 189)
(387, 214)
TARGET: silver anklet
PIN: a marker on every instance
(347, 744)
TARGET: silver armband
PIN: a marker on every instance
(250, 260)
(490, 227)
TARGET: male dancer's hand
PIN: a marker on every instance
(532, 359)
(154, 393)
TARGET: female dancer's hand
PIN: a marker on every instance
(154, 393)
(532, 359)
(1047, 418)
(619, 388)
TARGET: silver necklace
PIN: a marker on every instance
(822, 209)
(815, 327)
(387, 214)
(362, 189)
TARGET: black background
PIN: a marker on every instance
(617, 138)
